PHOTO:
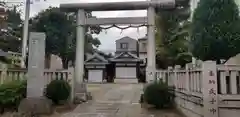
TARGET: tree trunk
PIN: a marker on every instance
(64, 63)
(218, 61)
(47, 61)
(26, 62)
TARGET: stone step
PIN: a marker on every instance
(88, 115)
(103, 115)
(126, 81)
(114, 102)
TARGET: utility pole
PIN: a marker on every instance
(25, 33)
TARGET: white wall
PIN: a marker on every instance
(189, 108)
(55, 62)
(132, 44)
(95, 76)
(234, 60)
(126, 72)
(229, 112)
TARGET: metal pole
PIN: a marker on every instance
(25, 33)
(151, 54)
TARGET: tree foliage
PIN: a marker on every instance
(60, 29)
(172, 36)
(10, 30)
(215, 30)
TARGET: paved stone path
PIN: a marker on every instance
(112, 100)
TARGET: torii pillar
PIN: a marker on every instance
(151, 49)
(79, 88)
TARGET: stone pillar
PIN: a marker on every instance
(170, 78)
(176, 68)
(187, 68)
(36, 102)
(176, 83)
(79, 88)
(151, 50)
(35, 80)
(194, 61)
(210, 91)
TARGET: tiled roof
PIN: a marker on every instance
(126, 37)
(143, 38)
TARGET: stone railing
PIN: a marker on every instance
(208, 90)
(7, 75)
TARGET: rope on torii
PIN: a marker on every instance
(121, 27)
(125, 27)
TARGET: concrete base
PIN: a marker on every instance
(80, 88)
(125, 80)
(81, 94)
(35, 106)
(82, 97)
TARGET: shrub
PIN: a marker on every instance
(12, 93)
(58, 90)
(158, 94)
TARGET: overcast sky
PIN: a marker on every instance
(108, 37)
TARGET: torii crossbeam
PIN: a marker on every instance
(80, 8)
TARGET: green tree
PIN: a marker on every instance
(172, 37)
(60, 29)
(10, 30)
(215, 31)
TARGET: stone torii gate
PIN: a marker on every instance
(82, 20)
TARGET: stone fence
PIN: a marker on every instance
(7, 75)
(207, 90)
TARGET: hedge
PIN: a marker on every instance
(58, 90)
(159, 94)
(12, 93)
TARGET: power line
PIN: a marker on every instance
(14, 2)
(17, 2)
